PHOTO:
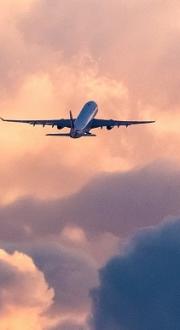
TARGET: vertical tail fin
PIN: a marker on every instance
(72, 120)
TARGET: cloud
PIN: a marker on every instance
(47, 82)
(49, 73)
(71, 326)
(67, 326)
(68, 271)
(32, 222)
(121, 203)
(138, 46)
(24, 294)
(40, 157)
(14, 61)
(111, 203)
(140, 288)
(54, 57)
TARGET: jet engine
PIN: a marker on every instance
(59, 127)
(109, 127)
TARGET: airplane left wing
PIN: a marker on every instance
(61, 123)
(112, 123)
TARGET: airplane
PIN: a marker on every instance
(82, 125)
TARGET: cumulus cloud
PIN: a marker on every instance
(140, 288)
(68, 271)
(24, 294)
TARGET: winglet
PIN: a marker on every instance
(2, 119)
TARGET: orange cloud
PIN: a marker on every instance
(46, 74)
(54, 57)
(24, 293)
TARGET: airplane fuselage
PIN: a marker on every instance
(81, 125)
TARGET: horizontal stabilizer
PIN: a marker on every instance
(89, 135)
(67, 134)
(58, 134)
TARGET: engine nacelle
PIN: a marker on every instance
(109, 127)
(59, 127)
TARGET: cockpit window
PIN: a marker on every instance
(90, 103)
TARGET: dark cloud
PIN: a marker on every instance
(70, 273)
(140, 289)
(115, 203)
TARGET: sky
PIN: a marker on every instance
(85, 222)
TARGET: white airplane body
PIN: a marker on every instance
(82, 125)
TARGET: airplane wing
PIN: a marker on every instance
(61, 123)
(112, 123)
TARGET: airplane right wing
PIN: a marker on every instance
(110, 123)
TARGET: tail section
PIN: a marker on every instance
(72, 120)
